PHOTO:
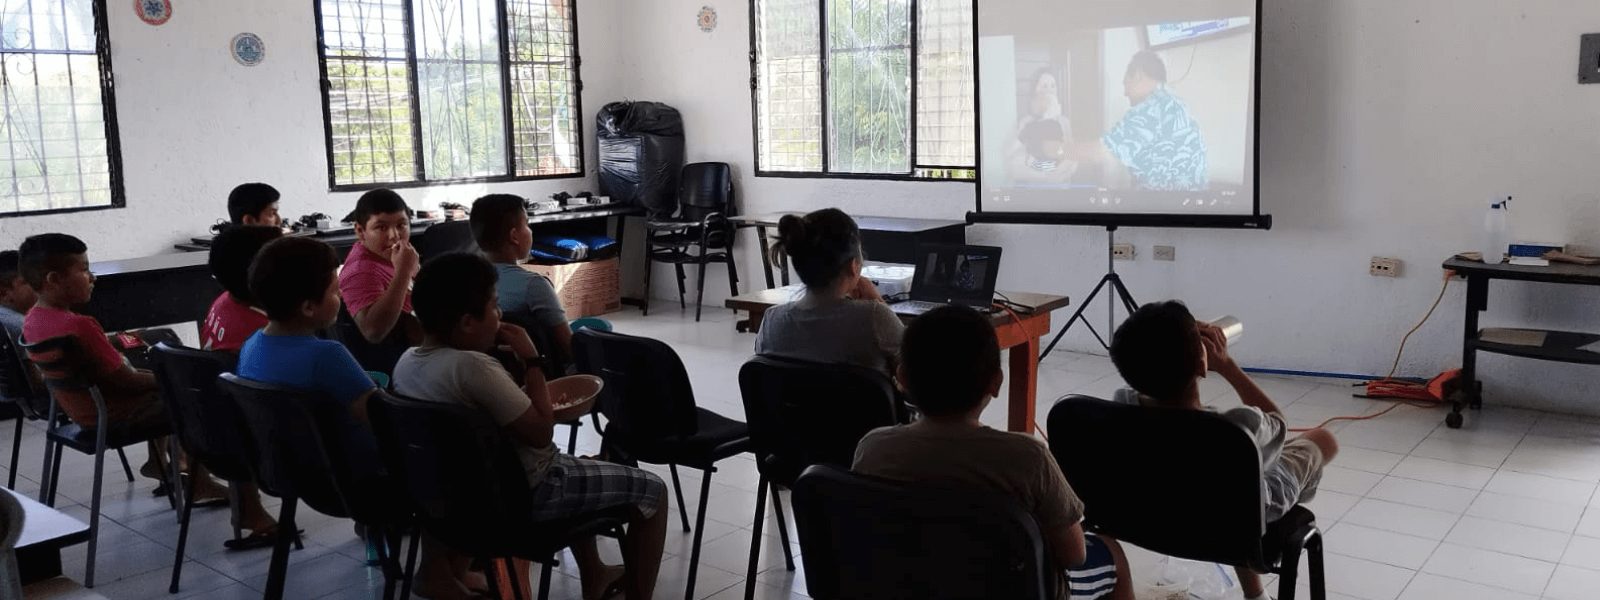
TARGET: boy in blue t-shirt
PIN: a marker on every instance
(294, 280)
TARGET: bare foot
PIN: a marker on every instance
(475, 581)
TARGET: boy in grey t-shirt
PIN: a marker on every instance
(1162, 352)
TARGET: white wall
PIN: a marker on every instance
(194, 123)
(1386, 127)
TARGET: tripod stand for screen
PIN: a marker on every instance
(1119, 290)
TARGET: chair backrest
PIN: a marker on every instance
(19, 382)
(299, 445)
(705, 188)
(63, 367)
(458, 468)
(804, 413)
(380, 357)
(863, 537)
(1183, 483)
(444, 238)
(207, 421)
(556, 358)
(647, 395)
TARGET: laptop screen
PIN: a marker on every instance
(956, 274)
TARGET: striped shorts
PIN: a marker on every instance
(578, 485)
(1098, 575)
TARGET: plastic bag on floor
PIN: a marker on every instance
(1201, 581)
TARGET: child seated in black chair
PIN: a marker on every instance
(457, 304)
(950, 366)
(1162, 352)
(500, 226)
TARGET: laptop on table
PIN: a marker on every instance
(951, 274)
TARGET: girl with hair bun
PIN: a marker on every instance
(841, 318)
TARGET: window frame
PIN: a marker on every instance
(418, 157)
(822, 79)
(108, 108)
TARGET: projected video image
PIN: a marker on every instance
(1117, 106)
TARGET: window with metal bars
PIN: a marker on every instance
(419, 92)
(58, 142)
(863, 88)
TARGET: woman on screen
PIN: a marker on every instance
(1038, 150)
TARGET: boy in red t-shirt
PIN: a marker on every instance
(57, 266)
(376, 279)
(234, 317)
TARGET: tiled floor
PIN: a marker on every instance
(1505, 508)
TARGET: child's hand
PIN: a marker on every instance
(517, 338)
(864, 290)
(405, 259)
(1216, 345)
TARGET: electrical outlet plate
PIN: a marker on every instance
(1383, 266)
(1122, 251)
(1166, 253)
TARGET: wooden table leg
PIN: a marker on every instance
(1024, 385)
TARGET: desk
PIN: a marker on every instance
(883, 239)
(1020, 336)
(1559, 346)
(345, 240)
(151, 291)
(45, 531)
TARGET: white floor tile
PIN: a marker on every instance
(1526, 511)
(1330, 506)
(1590, 525)
(1400, 518)
(1573, 583)
(1496, 569)
(1438, 471)
(1425, 494)
(1366, 579)
(1464, 450)
(1378, 545)
(1349, 481)
(1363, 459)
(1543, 487)
(1583, 552)
(1510, 538)
(1378, 434)
(1427, 586)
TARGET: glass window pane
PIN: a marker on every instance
(53, 134)
(546, 126)
(789, 74)
(945, 117)
(369, 92)
(54, 25)
(458, 87)
(869, 86)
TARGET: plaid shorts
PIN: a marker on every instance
(577, 485)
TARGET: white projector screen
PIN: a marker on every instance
(1132, 112)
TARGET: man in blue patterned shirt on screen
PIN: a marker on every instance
(1157, 139)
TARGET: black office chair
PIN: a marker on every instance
(557, 363)
(651, 416)
(61, 365)
(443, 238)
(802, 414)
(462, 473)
(705, 201)
(864, 537)
(24, 396)
(1099, 443)
(298, 447)
(380, 357)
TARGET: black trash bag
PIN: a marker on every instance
(641, 153)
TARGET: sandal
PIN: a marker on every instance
(264, 538)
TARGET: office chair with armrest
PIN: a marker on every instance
(705, 201)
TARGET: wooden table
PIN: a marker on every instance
(1020, 335)
(45, 531)
(883, 239)
(1558, 346)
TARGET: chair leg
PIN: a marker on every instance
(544, 582)
(755, 538)
(411, 564)
(783, 529)
(699, 531)
(183, 538)
(16, 453)
(94, 508)
(733, 275)
(700, 293)
(1289, 572)
(681, 291)
(278, 570)
(677, 488)
(55, 475)
(572, 438)
(44, 470)
(1319, 584)
(647, 264)
(386, 561)
(174, 475)
(126, 470)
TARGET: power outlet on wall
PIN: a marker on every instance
(1383, 266)
(1122, 251)
(1166, 253)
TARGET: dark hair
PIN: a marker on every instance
(1156, 350)
(231, 253)
(450, 287)
(250, 199)
(290, 271)
(492, 218)
(380, 201)
(1038, 132)
(820, 244)
(46, 253)
(1149, 63)
(10, 267)
(949, 356)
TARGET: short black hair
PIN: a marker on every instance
(46, 253)
(819, 244)
(1035, 134)
(1149, 63)
(1156, 350)
(231, 254)
(493, 217)
(949, 356)
(250, 199)
(450, 287)
(380, 201)
(10, 267)
(290, 271)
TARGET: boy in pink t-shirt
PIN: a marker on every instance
(376, 279)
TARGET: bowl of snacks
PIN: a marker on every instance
(573, 396)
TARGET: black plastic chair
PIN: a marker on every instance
(462, 473)
(380, 357)
(61, 365)
(557, 363)
(24, 396)
(298, 448)
(443, 238)
(864, 537)
(651, 416)
(1099, 443)
(705, 201)
(801, 414)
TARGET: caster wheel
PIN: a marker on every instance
(1453, 420)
